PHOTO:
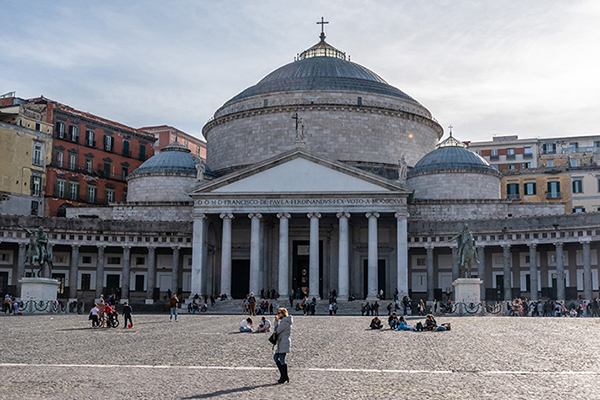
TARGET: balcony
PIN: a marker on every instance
(494, 158)
(553, 195)
(513, 196)
(527, 155)
(511, 156)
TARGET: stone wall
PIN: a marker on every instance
(160, 187)
(455, 185)
(462, 210)
(347, 132)
(135, 212)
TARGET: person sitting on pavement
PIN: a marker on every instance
(443, 327)
(246, 325)
(376, 323)
(430, 323)
(403, 326)
(393, 320)
(264, 325)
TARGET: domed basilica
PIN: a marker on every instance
(321, 178)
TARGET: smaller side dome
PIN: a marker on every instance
(173, 159)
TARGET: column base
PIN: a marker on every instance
(149, 301)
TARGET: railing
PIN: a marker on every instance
(527, 155)
(511, 157)
(513, 196)
(552, 195)
(494, 158)
(32, 306)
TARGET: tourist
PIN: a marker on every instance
(389, 309)
(108, 311)
(7, 303)
(335, 307)
(443, 327)
(251, 304)
(313, 306)
(362, 308)
(434, 307)
(173, 304)
(330, 308)
(283, 328)
(403, 326)
(376, 308)
(393, 320)
(94, 316)
(264, 325)
(127, 311)
(421, 307)
(430, 323)
(406, 304)
(15, 306)
(376, 323)
(246, 325)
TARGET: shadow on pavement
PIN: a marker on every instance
(229, 391)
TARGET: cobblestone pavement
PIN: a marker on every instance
(203, 356)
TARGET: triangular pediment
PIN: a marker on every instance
(300, 172)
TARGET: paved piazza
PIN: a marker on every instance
(203, 356)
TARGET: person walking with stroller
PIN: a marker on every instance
(283, 329)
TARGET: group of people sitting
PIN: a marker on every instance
(399, 323)
(263, 326)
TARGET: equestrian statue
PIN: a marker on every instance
(39, 253)
(467, 254)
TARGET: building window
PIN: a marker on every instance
(529, 188)
(527, 150)
(89, 166)
(113, 260)
(34, 208)
(60, 129)
(74, 195)
(494, 152)
(553, 190)
(598, 185)
(60, 189)
(109, 142)
(110, 196)
(124, 196)
(511, 151)
(90, 138)
(142, 151)
(512, 191)
(578, 186)
(59, 159)
(36, 186)
(107, 169)
(74, 133)
(126, 148)
(124, 173)
(573, 162)
(511, 166)
(91, 194)
(86, 280)
(549, 148)
(578, 209)
(37, 154)
(72, 161)
(550, 163)
(574, 147)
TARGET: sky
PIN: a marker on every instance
(527, 68)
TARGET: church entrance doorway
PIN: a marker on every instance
(240, 278)
(4, 283)
(301, 267)
(113, 284)
(381, 282)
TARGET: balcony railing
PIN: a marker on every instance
(513, 196)
(494, 158)
(553, 195)
(511, 156)
(527, 155)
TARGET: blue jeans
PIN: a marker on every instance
(279, 357)
(173, 312)
(245, 329)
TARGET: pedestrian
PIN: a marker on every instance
(283, 329)
(173, 304)
(335, 308)
(94, 316)
(252, 304)
(127, 311)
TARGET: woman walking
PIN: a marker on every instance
(283, 328)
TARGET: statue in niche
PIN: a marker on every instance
(200, 170)
(402, 168)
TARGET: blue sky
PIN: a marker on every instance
(487, 67)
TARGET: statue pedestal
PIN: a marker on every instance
(467, 291)
(39, 289)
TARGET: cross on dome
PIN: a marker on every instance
(322, 23)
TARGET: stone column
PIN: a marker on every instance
(402, 253)
(100, 271)
(73, 273)
(533, 276)
(455, 268)
(313, 279)
(560, 272)
(430, 277)
(343, 256)
(507, 271)
(199, 255)
(21, 258)
(151, 275)
(226, 255)
(126, 274)
(372, 256)
(284, 268)
(587, 271)
(175, 270)
(481, 271)
(254, 251)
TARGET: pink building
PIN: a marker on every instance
(167, 134)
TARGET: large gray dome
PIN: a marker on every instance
(322, 73)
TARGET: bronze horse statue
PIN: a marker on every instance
(467, 253)
(39, 253)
